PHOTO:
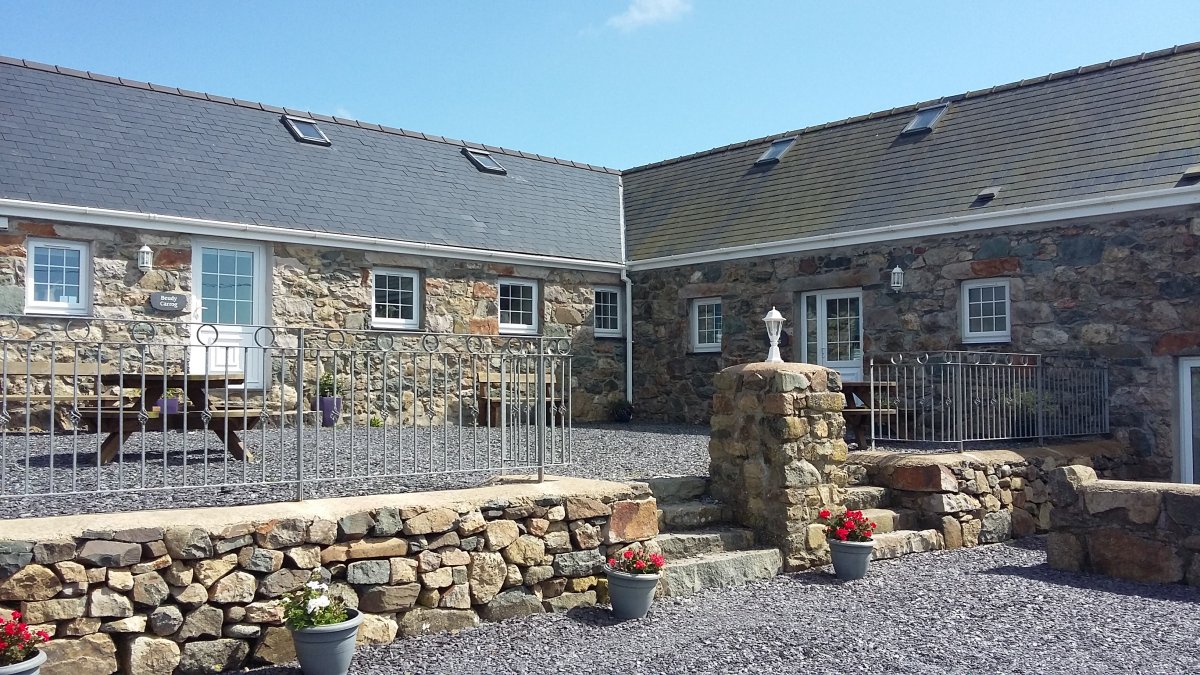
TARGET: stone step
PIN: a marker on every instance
(902, 542)
(891, 520)
(867, 497)
(692, 516)
(719, 570)
(678, 489)
(688, 544)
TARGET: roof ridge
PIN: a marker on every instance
(253, 105)
(1082, 70)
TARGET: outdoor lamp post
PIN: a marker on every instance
(145, 259)
(897, 279)
(774, 321)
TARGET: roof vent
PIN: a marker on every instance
(305, 130)
(1191, 173)
(925, 119)
(775, 152)
(988, 193)
(484, 161)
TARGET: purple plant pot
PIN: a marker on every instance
(168, 406)
(331, 409)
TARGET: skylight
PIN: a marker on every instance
(305, 130)
(776, 150)
(484, 161)
(925, 119)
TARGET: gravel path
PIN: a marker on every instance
(600, 451)
(994, 609)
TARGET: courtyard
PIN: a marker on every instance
(994, 609)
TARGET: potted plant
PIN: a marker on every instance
(850, 544)
(169, 403)
(328, 401)
(632, 578)
(323, 629)
(621, 410)
(19, 653)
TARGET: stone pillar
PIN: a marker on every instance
(776, 451)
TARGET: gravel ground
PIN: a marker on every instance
(209, 477)
(995, 609)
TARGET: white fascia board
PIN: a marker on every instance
(1029, 215)
(216, 228)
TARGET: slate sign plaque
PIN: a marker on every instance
(169, 302)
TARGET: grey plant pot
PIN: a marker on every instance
(30, 666)
(850, 558)
(630, 594)
(327, 650)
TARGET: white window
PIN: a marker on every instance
(706, 325)
(606, 315)
(396, 299)
(518, 306)
(986, 315)
(58, 278)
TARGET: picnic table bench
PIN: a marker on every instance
(522, 390)
(861, 406)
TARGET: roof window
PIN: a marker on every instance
(925, 119)
(775, 152)
(484, 161)
(305, 130)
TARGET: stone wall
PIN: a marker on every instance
(1141, 531)
(981, 497)
(146, 594)
(776, 452)
(1121, 290)
(331, 288)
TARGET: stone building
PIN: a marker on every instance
(1058, 215)
(296, 219)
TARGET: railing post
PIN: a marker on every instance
(541, 409)
(961, 395)
(1039, 402)
(874, 402)
(299, 415)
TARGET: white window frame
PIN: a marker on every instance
(519, 328)
(81, 308)
(694, 326)
(398, 324)
(980, 337)
(608, 332)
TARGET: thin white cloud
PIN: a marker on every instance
(341, 111)
(641, 13)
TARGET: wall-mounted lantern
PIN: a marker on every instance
(774, 322)
(145, 259)
(897, 279)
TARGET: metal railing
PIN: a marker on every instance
(107, 405)
(962, 396)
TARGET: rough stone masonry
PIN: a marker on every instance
(146, 594)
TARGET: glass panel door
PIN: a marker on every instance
(229, 295)
(832, 331)
(1189, 413)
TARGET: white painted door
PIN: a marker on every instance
(229, 305)
(831, 331)
(1189, 420)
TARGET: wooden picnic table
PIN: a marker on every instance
(488, 394)
(122, 421)
(861, 404)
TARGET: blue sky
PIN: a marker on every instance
(612, 82)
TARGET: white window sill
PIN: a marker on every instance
(508, 329)
(388, 325)
(701, 349)
(57, 311)
(986, 339)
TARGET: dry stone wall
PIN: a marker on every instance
(776, 452)
(1119, 290)
(182, 599)
(331, 288)
(1142, 531)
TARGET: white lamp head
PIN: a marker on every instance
(774, 321)
(897, 279)
(145, 258)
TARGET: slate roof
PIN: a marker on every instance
(77, 138)
(1123, 126)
